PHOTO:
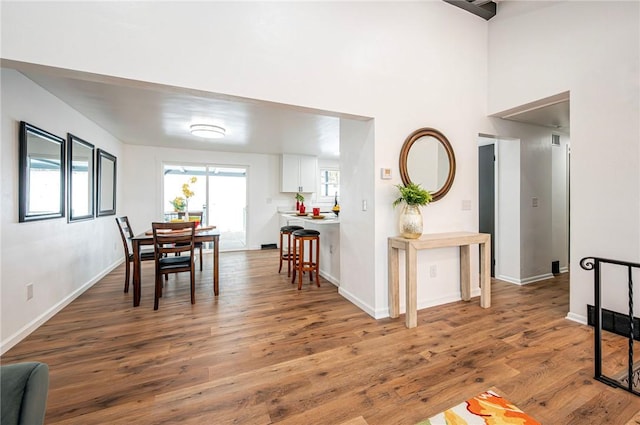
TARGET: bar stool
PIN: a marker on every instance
(287, 256)
(302, 264)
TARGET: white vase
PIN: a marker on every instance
(411, 222)
(186, 210)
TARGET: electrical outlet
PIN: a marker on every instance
(534, 202)
(433, 271)
(29, 291)
(330, 249)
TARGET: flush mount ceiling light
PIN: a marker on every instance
(207, 131)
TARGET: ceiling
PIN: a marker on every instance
(552, 112)
(140, 113)
(554, 116)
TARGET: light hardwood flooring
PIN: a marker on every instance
(265, 353)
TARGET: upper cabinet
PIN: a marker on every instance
(299, 173)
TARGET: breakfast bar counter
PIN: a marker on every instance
(329, 228)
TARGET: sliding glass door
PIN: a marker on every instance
(217, 193)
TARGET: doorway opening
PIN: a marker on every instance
(487, 193)
(523, 202)
(217, 193)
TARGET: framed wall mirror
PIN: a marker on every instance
(427, 159)
(41, 174)
(80, 171)
(106, 185)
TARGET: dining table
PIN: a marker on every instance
(204, 234)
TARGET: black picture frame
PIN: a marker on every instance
(41, 177)
(106, 183)
(80, 172)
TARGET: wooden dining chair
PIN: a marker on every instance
(126, 233)
(178, 239)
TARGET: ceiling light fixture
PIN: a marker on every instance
(207, 131)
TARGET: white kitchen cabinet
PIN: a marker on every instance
(299, 173)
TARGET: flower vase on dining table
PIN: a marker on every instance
(186, 211)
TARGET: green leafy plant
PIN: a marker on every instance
(412, 194)
(178, 203)
(299, 197)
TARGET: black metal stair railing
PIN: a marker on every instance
(594, 263)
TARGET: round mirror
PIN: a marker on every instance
(427, 159)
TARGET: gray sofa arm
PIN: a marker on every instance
(23, 389)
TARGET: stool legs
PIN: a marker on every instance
(280, 269)
(301, 265)
(288, 255)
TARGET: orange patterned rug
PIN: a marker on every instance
(487, 408)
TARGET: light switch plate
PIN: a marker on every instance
(385, 173)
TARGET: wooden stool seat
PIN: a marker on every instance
(287, 256)
(306, 240)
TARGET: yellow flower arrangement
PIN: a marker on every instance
(178, 203)
(186, 190)
(181, 203)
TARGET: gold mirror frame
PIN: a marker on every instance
(404, 154)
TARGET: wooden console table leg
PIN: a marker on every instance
(485, 274)
(465, 273)
(394, 282)
(412, 287)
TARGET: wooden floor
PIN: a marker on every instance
(265, 353)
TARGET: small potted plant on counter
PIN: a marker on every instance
(299, 203)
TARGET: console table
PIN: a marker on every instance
(437, 240)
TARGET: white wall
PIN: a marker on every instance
(408, 65)
(591, 49)
(357, 240)
(508, 239)
(61, 259)
(535, 208)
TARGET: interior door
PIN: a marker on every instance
(486, 203)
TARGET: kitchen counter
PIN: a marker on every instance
(329, 240)
(329, 218)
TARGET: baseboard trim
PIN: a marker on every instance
(26, 330)
(509, 279)
(577, 318)
(361, 304)
(538, 278)
(426, 303)
(330, 278)
(526, 280)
